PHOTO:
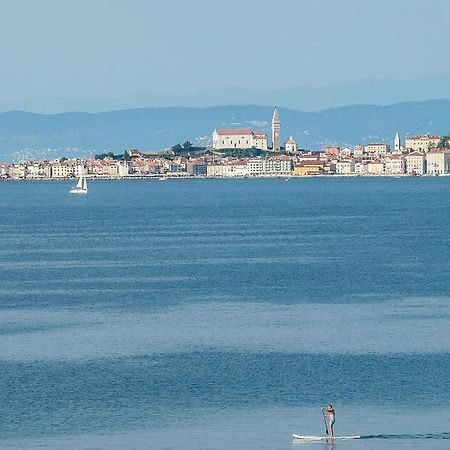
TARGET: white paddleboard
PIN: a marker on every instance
(303, 437)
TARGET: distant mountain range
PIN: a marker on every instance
(29, 135)
(304, 98)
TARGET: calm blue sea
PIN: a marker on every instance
(222, 314)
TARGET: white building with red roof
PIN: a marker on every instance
(239, 138)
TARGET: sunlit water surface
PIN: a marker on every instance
(221, 314)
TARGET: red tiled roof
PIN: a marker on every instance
(440, 150)
(235, 132)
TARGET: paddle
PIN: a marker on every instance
(325, 419)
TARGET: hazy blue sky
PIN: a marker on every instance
(108, 48)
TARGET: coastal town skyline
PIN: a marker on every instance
(238, 152)
(248, 153)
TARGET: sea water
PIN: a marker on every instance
(222, 314)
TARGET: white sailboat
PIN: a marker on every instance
(81, 186)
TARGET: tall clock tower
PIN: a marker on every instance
(275, 131)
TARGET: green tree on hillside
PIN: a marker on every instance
(177, 148)
(106, 155)
(444, 142)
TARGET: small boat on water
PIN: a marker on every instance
(80, 187)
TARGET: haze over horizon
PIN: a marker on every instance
(100, 55)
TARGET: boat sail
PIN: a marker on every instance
(81, 186)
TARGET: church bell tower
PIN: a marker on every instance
(275, 131)
(397, 145)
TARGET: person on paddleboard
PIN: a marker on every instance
(330, 418)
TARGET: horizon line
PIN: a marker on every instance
(227, 105)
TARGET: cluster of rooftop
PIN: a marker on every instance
(368, 160)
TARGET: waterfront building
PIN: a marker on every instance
(375, 167)
(79, 167)
(196, 167)
(397, 143)
(37, 170)
(422, 143)
(275, 131)
(18, 171)
(311, 167)
(239, 138)
(95, 168)
(394, 165)
(269, 167)
(139, 167)
(376, 150)
(101, 168)
(256, 167)
(361, 168)
(291, 145)
(176, 167)
(415, 163)
(438, 161)
(345, 167)
(229, 169)
(109, 168)
(122, 168)
(156, 166)
(64, 169)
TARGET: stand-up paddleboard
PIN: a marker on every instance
(303, 437)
